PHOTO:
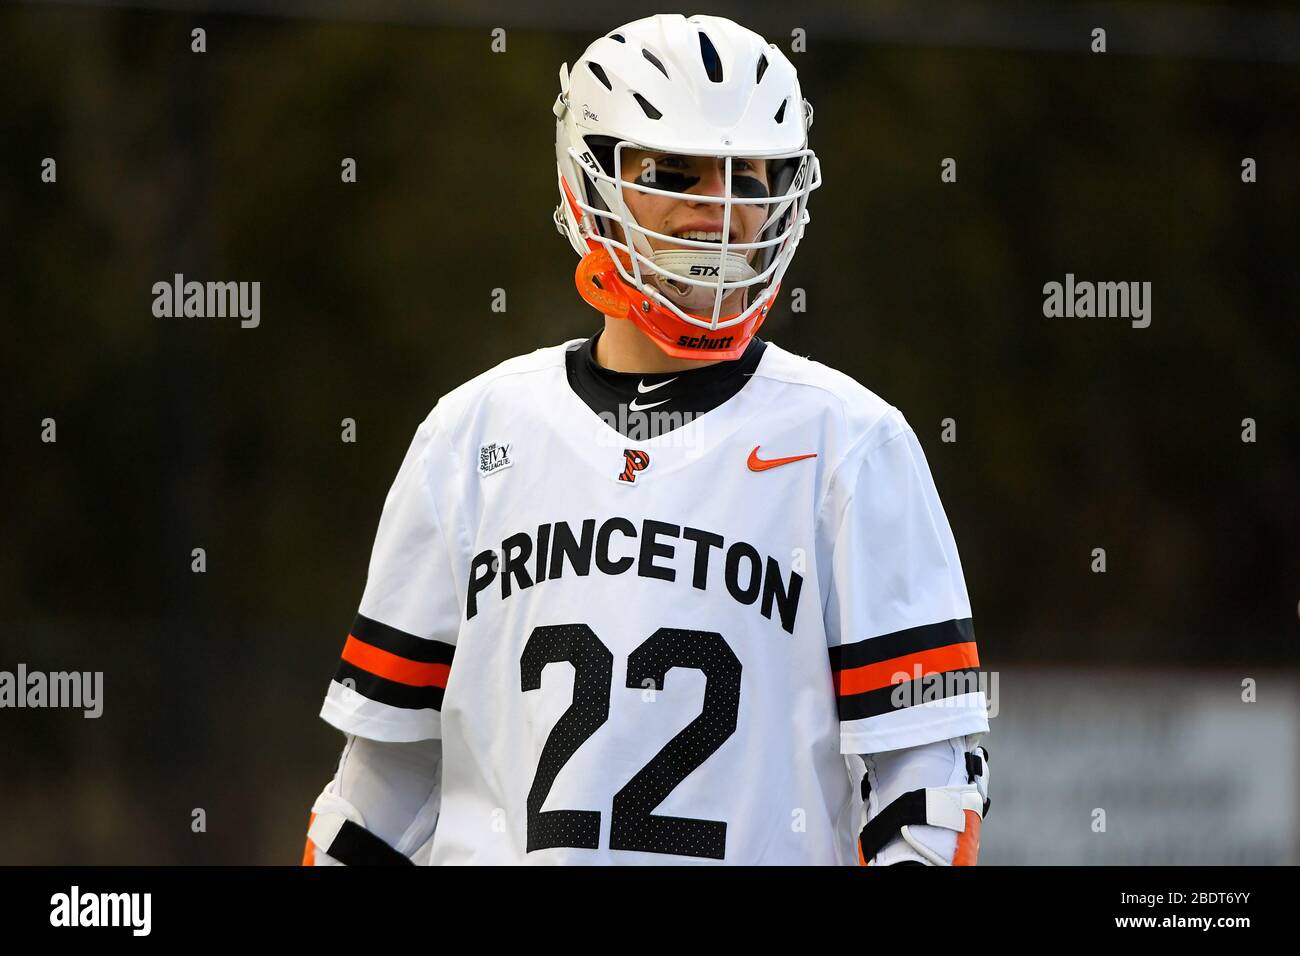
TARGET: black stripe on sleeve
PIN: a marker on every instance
(873, 703)
(419, 649)
(389, 692)
(914, 640)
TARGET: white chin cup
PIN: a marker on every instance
(697, 264)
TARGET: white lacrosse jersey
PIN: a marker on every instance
(659, 651)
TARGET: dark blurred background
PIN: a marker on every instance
(1072, 434)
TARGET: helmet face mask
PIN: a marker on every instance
(696, 276)
(708, 84)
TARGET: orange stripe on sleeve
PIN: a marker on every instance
(391, 667)
(859, 680)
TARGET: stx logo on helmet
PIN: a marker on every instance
(798, 178)
(634, 460)
(704, 270)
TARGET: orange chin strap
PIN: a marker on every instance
(598, 283)
(603, 288)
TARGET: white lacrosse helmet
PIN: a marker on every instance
(701, 87)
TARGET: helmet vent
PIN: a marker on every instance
(762, 67)
(780, 113)
(618, 37)
(599, 73)
(712, 62)
(649, 110)
(655, 60)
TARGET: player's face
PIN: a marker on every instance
(694, 176)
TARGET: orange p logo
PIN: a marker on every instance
(634, 460)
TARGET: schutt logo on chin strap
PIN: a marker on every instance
(634, 460)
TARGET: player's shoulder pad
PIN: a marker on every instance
(459, 404)
(862, 419)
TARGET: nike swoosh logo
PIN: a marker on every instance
(640, 408)
(642, 387)
(760, 464)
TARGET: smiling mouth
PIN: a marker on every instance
(702, 235)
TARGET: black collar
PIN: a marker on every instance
(641, 406)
